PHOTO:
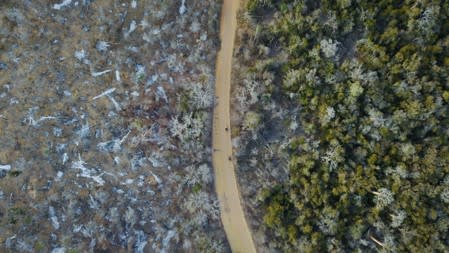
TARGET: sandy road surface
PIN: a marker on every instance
(232, 215)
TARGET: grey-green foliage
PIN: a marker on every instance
(371, 81)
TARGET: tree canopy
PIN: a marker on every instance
(370, 173)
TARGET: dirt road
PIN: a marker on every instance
(232, 215)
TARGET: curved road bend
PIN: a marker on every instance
(232, 216)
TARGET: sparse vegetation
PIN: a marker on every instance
(105, 122)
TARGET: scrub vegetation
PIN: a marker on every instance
(368, 171)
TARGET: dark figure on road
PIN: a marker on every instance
(226, 129)
(229, 158)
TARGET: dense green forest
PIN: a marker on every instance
(370, 173)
